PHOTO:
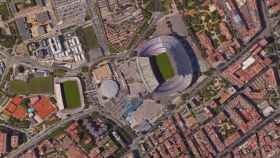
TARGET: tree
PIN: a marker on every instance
(209, 72)
(25, 102)
(59, 72)
(171, 107)
(85, 69)
(53, 100)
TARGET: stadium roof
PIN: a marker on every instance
(147, 74)
(180, 60)
(109, 88)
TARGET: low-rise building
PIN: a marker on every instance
(42, 107)
(14, 108)
(243, 113)
(70, 12)
(243, 70)
(14, 141)
(65, 50)
(121, 18)
(3, 143)
(101, 73)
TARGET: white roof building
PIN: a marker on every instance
(248, 62)
(67, 48)
(147, 74)
(109, 88)
(58, 94)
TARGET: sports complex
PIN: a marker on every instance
(68, 93)
(165, 65)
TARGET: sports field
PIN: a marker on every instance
(71, 94)
(36, 85)
(164, 65)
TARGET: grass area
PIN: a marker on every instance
(126, 134)
(58, 132)
(71, 94)
(7, 41)
(59, 72)
(203, 19)
(85, 70)
(88, 37)
(19, 123)
(34, 86)
(18, 87)
(4, 11)
(164, 65)
(3, 100)
(113, 49)
(191, 4)
(166, 6)
(89, 146)
(211, 90)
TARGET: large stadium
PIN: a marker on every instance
(165, 65)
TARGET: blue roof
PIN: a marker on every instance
(30, 110)
(132, 106)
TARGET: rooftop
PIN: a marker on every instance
(109, 88)
(102, 72)
(15, 109)
(43, 107)
(148, 111)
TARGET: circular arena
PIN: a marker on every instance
(165, 65)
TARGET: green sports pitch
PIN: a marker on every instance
(164, 65)
(71, 94)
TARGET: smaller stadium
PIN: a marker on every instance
(68, 92)
(165, 65)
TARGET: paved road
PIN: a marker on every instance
(243, 53)
(98, 27)
(23, 60)
(43, 134)
(100, 35)
(264, 33)
(16, 129)
(250, 133)
(154, 19)
(268, 30)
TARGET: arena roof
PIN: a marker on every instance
(109, 88)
